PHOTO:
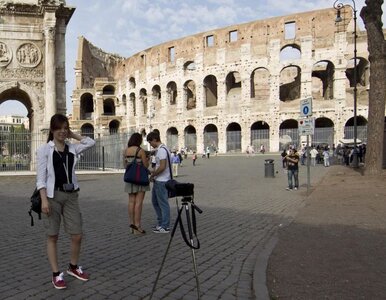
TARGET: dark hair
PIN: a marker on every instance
(135, 140)
(57, 122)
(153, 136)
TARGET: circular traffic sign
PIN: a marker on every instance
(306, 110)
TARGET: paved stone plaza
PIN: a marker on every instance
(242, 211)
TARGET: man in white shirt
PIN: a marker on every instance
(313, 154)
(159, 176)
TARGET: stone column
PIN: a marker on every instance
(60, 66)
(221, 93)
(50, 66)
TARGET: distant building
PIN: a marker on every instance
(6, 122)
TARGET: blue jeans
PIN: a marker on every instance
(295, 174)
(160, 201)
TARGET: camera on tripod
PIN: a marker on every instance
(179, 189)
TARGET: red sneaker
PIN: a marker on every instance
(59, 282)
(78, 273)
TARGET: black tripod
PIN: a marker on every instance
(191, 222)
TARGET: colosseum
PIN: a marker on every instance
(231, 87)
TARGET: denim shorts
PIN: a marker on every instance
(63, 206)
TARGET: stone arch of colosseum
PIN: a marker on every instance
(232, 87)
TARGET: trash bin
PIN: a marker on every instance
(269, 168)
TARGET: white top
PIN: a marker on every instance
(162, 153)
(313, 152)
(45, 177)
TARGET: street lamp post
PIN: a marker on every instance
(338, 5)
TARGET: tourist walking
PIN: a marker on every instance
(326, 157)
(292, 169)
(194, 158)
(136, 192)
(59, 191)
(175, 163)
(159, 176)
(313, 154)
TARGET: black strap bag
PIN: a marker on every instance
(36, 205)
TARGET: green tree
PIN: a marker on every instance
(18, 140)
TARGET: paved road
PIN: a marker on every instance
(242, 212)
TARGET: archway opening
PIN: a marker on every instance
(233, 137)
(361, 129)
(113, 127)
(190, 138)
(210, 137)
(172, 138)
(323, 132)
(260, 135)
(86, 106)
(288, 134)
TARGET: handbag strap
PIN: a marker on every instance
(136, 153)
(170, 167)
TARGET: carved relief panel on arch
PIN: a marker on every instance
(28, 55)
(5, 55)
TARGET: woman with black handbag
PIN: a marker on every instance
(58, 187)
(136, 192)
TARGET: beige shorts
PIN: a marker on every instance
(66, 206)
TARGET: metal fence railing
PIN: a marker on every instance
(18, 151)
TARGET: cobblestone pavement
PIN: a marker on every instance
(242, 211)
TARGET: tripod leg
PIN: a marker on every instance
(193, 254)
(167, 250)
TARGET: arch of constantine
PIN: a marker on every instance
(32, 69)
(231, 87)
(32, 57)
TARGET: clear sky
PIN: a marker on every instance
(126, 27)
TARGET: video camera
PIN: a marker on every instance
(179, 189)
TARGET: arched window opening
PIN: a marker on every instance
(288, 134)
(233, 81)
(143, 100)
(233, 137)
(86, 106)
(190, 94)
(171, 90)
(260, 84)
(323, 132)
(290, 52)
(189, 66)
(260, 135)
(132, 104)
(323, 80)
(362, 72)
(190, 138)
(156, 94)
(290, 83)
(132, 83)
(87, 130)
(210, 90)
(361, 129)
(210, 137)
(113, 127)
(108, 90)
(172, 138)
(109, 107)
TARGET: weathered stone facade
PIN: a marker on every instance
(32, 57)
(230, 87)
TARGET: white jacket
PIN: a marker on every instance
(45, 169)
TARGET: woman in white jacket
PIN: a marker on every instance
(58, 187)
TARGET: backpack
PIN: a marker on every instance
(36, 205)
